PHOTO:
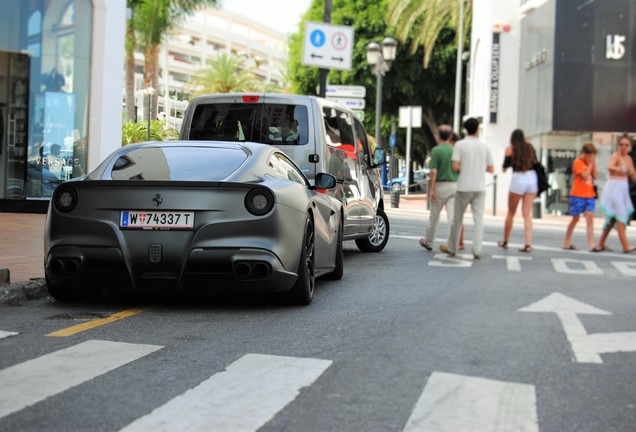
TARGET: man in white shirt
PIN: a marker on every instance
(471, 159)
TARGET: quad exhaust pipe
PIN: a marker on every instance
(250, 270)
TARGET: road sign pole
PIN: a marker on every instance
(408, 150)
(392, 142)
(378, 116)
(323, 72)
(410, 117)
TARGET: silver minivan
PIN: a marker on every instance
(318, 134)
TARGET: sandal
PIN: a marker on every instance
(571, 247)
(526, 249)
(630, 250)
(502, 244)
(597, 249)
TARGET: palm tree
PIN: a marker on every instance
(284, 87)
(421, 21)
(151, 21)
(131, 43)
(225, 74)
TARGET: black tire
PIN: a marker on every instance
(379, 236)
(71, 295)
(303, 291)
(338, 270)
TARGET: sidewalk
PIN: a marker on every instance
(21, 256)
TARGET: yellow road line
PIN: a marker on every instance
(96, 323)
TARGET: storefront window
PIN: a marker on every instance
(44, 84)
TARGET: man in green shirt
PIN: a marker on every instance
(442, 184)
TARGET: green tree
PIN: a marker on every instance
(285, 87)
(224, 74)
(421, 22)
(405, 84)
(132, 132)
(151, 20)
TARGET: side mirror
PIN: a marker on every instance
(379, 157)
(324, 181)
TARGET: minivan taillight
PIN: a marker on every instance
(251, 98)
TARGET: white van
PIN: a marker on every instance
(319, 135)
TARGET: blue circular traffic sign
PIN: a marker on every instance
(317, 38)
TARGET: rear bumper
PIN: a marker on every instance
(202, 269)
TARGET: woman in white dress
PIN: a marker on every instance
(615, 200)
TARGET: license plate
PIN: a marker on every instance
(156, 220)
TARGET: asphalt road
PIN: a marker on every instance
(408, 340)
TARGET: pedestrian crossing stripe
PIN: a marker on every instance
(249, 393)
(6, 334)
(456, 403)
(35, 380)
(255, 388)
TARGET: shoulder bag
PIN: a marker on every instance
(542, 178)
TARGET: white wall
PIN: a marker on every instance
(107, 79)
(486, 14)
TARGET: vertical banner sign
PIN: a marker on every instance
(494, 78)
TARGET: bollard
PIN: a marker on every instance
(395, 198)
(494, 195)
(5, 277)
(536, 209)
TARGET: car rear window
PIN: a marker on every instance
(279, 124)
(178, 163)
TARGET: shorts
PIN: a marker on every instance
(579, 206)
(524, 182)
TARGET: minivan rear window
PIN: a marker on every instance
(279, 124)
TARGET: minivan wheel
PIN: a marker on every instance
(379, 236)
(303, 291)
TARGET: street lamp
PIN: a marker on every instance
(458, 70)
(379, 57)
(149, 91)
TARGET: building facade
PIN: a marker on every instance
(200, 38)
(59, 69)
(564, 71)
(61, 84)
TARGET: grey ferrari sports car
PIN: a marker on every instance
(193, 216)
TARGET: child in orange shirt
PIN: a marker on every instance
(582, 196)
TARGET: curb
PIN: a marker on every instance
(20, 291)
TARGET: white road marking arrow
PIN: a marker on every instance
(586, 347)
